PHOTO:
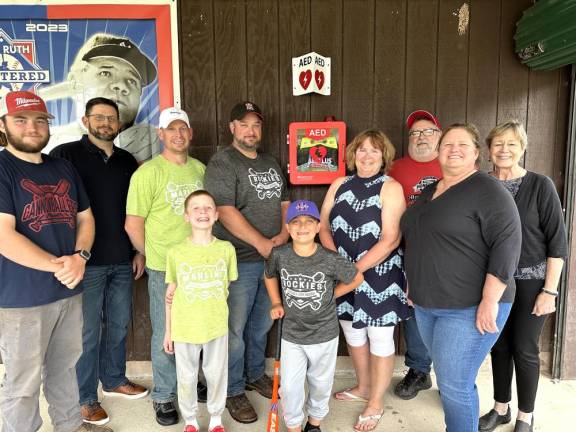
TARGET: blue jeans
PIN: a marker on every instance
(248, 324)
(163, 365)
(417, 356)
(106, 306)
(458, 350)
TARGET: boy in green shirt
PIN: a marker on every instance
(198, 272)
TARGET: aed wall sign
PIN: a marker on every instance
(311, 74)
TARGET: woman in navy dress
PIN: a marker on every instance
(360, 220)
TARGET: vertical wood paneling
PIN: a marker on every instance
(389, 57)
(197, 73)
(452, 75)
(481, 106)
(389, 70)
(421, 57)
(262, 67)
(542, 102)
(561, 136)
(294, 25)
(230, 60)
(358, 66)
(326, 30)
(140, 329)
(513, 76)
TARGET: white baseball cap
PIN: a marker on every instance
(169, 115)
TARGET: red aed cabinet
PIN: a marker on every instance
(317, 152)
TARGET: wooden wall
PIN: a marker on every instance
(389, 57)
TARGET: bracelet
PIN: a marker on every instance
(549, 292)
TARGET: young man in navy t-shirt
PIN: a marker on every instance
(46, 232)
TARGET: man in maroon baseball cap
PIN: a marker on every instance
(20, 106)
(22, 101)
(46, 233)
(414, 172)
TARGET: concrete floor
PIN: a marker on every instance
(554, 408)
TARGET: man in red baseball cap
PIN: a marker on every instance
(414, 172)
(46, 232)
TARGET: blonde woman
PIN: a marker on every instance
(544, 248)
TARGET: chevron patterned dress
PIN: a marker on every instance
(356, 222)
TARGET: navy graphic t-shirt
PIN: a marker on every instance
(307, 286)
(44, 198)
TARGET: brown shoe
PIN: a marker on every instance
(86, 427)
(93, 413)
(241, 409)
(262, 385)
(129, 390)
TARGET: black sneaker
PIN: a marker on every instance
(166, 413)
(202, 392)
(311, 428)
(412, 383)
(490, 421)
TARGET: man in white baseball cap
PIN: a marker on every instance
(155, 222)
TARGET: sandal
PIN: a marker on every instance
(348, 396)
(369, 418)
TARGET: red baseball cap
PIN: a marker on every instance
(421, 115)
(22, 101)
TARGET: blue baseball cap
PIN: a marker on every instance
(302, 208)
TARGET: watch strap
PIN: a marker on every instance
(550, 292)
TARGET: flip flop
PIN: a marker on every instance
(365, 419)
(347, 396)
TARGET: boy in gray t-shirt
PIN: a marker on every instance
(303, 280)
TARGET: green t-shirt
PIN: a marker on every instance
(157, 193)
(201, 274)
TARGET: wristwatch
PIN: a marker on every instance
(84, 254)
(549, 292)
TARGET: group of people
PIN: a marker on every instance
(470, 262)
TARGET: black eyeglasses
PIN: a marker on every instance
(101, 118)
(426, 132)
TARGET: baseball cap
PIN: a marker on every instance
(421, 115)
(108, 45)
(22, 101)
(243, 108)
(302, 208)
(169, 115)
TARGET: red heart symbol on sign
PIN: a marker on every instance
(305, 78)
(318, 153)
(319, 77)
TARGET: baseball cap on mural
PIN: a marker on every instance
(107, 45)
(302, 208)
(22, 101)
(243, 108)
(169, 115)
(421, 115)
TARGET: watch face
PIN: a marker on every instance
(85, 254)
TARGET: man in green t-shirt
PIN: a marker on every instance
(154, 223)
